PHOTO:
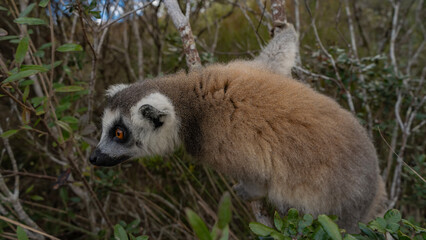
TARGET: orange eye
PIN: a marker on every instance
(119, 134)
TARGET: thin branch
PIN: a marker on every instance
(27, 227)
(408, 166)
(361, 77)
(279, 16)
(181, 22)
(333, 63)
(394, 34)
(80, 12)
(123, 16)
(259, 39)
(135, 26)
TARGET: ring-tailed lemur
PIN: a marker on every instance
(278, 137)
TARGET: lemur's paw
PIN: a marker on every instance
(241, 192)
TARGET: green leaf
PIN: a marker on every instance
(26, 93)
(392, 216)
(224, 214)
(330, 227)
(26, 127)
(64, 126)
(277, 236)
(70, 119)
(69, 89)
(120, 233)
(27, 10)
(225, 233)
(44, 46)
(367, 231)
(9, 133)
(215, 232)
(379, 225)
(37, 198)
(197, 225)
(142, 238)
(29, 189)
(30, 21)
(70, 47)
(38, 100)
(293, 215)
(21, 234)
(34, 67)
(260, 229)
(415, 227)
(20, 75)
(392, 227)
(278, 221)
(305, 222)
(22, 49)
(39, 53)
(8, 37)
(55, 64)
(349, 237)
(96, 14)
(403, 236)
(43, 3)
(3, 9)
(26, 83)
(320, 234)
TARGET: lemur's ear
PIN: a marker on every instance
(113, 89)
(153, 114)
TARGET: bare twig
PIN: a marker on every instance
(135, 26)
(243, 8)
(330, 57)
(28, 227)
(394, 34)
(361, 77)
(393, 151)
(126, 52)
(108, 24)
(13, 198)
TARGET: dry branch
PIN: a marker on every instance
(181, 23)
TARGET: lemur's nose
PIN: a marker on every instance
(94, 156)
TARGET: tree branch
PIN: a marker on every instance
(181, 22)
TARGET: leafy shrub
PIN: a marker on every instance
(221, 228)
(295, 226)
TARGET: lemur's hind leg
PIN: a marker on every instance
(250, 191)
(254, 192)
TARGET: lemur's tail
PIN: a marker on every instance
(280, 54)
(379, 205)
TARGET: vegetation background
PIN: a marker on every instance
(57, 58)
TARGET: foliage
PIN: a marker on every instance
(295, 226)
(221, 227)
(121, 233)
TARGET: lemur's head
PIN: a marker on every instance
(138, 121)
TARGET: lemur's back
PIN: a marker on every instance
(310, 153)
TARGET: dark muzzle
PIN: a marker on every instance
(101, 159)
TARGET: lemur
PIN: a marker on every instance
(251, 121)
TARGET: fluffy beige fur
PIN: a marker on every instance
(278, 137)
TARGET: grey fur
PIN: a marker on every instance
(280, 54)
(279, 138)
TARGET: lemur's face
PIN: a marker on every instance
(148, 127)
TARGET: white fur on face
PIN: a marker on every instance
(112, 90)
(162, 140)
(106, 145)
(110, 116)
